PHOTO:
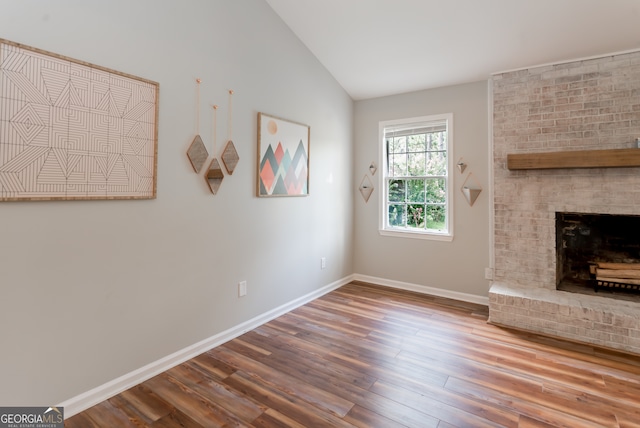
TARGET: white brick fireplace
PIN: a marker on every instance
(583, 105)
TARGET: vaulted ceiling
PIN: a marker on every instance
(381, 47)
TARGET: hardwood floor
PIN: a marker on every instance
(370, 356)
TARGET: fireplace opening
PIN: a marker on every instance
(583, 240)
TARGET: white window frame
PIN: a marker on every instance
(384, 228)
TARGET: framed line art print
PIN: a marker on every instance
(70, 130)
(283, 157)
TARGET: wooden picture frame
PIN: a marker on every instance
(70, 130)
(283, 157)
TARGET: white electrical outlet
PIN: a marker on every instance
(488, 273)
(242, 288)
(323, 262)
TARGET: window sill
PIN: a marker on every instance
(412, 234)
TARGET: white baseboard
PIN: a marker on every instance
(103, 392)
(440, 292)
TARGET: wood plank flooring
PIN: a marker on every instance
(370, 356)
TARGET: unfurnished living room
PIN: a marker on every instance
(306, 213)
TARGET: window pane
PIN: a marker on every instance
(397, 215)
(437, 163)
(415, 217)
(397, 190)
(416, 143)
(416, 165)
(436, 190)
(415, 191)
(398, 145)
(437, 141)
(435, 217)
(398, 165)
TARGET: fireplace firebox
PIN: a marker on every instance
(584, 240)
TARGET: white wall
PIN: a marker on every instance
(457, 266)
(92, 290)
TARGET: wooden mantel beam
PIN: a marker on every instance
(609, 158)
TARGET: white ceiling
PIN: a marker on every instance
(381, 47)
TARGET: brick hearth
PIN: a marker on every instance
(583, 105)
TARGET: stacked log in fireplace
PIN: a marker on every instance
(615, 276)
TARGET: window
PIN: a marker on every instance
(416, 164)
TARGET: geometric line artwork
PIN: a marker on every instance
(27, 123)
(73, 130)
